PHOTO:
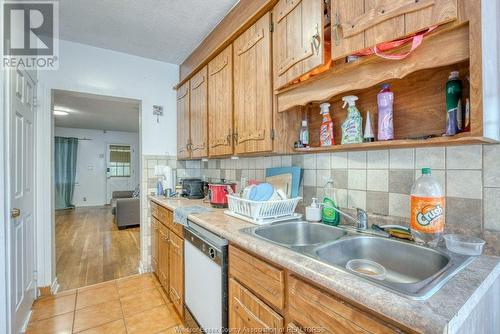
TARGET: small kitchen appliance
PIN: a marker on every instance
(217, 193)
(193, 188)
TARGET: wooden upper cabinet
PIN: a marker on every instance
(357, 24)
(220, 104)
(298, 42)
(199, 114)
(253, 95)
(183, 122)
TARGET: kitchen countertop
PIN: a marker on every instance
(444, 312)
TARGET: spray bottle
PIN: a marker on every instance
(326, 129)
(352, 127)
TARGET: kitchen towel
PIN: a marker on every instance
(181, 214)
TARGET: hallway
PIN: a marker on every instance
(90, 249)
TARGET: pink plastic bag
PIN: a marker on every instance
(379, 49)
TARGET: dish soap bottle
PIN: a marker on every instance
(427, 216)
(385, 101)
(352, 131)
(313, 211)
(329, 215)
(326, 129)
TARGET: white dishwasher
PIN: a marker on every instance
(205, 279)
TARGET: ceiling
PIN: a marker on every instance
(89, 111)
(165, 30)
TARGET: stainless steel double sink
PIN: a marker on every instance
(413, 271)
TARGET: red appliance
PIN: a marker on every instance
(217, 193)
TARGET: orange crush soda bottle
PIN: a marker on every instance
(427, 217)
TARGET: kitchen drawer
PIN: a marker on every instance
(174, 227)
(159, 212)
(246, 311)
(310, 307)
(265, 280)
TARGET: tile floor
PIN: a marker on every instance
(135, 304)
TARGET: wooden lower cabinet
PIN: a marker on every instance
(176, 272)
(167, 255)
(163, 258)
(155, 232)
(308, 308)
(249, 314)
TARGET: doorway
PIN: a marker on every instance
(97, 169)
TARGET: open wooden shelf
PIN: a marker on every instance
(373, 70)
(459, 139)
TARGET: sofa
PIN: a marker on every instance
(126, 208)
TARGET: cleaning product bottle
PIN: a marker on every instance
(326, 129)
(453, 103)
(385, 101)
(368, 136)
(313, 211)
(427, 216)
(329, 215)
(352, 127)
(304, 134)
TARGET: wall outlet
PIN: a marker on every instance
(85, 199)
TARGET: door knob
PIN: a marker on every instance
(14, 213)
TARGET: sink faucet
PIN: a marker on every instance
(362, 219)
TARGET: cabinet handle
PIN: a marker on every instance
(235, 138)
(336, 26)
(316, 40)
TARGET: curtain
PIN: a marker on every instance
(65, 151)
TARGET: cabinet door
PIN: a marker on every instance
(309, 307)
(220, 104)
(253, 96)
(199, 114)
(298, 39)
(183, 122)
(176, 287)
(247, 312)
(163, 256)
(154, 245)
(357, 24)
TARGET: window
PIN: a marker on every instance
(119, 161)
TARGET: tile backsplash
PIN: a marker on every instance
(380, 181)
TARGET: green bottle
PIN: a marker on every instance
(329, 215)
(453, 104)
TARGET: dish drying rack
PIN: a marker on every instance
(262, 213)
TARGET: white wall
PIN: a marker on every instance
(92, 70)
(90, 188)
(87, 69)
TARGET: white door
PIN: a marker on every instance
(120, 171)
(22, 285)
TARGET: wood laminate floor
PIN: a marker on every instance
(133, 305)
(90, 249)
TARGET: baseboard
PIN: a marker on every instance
(24, 328)
(54, 288)
(143, 268)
